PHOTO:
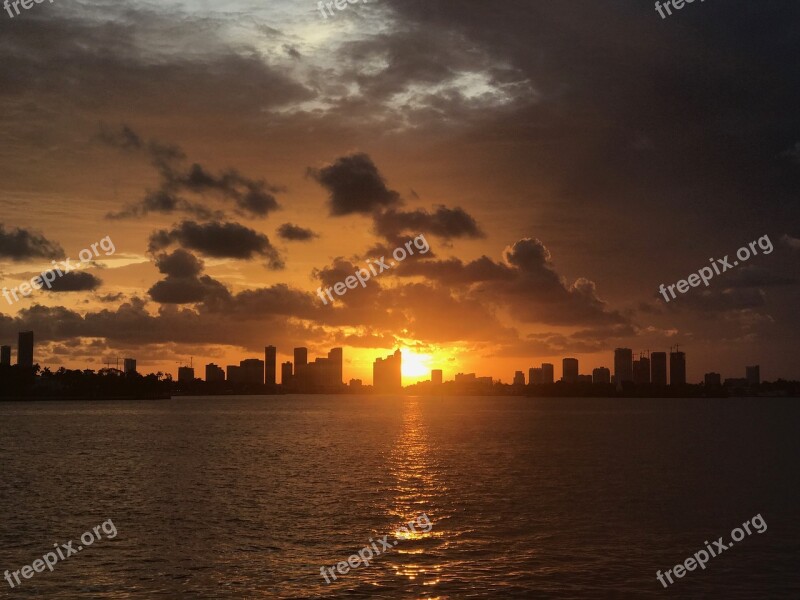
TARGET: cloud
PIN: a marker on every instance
(295, 233)
(251, 197)
(179, 264)
(446, 223)
(185, 290)
(19, 244)
(355, 186)
(218, 240)
(74, 282)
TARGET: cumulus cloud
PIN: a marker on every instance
(218, 240)
(355, 186)
(295, 233)
(19, 244)
(251, 197)
(443, 222)
(74, 281)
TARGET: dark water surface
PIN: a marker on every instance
(528, 498)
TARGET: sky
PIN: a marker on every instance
(560, 160)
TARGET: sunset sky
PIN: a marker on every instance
(562, 160)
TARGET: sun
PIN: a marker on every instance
(416, 365)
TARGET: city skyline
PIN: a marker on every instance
(301, 375)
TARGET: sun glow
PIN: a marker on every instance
(417, 366)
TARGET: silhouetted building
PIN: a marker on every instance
(623, 366)
(584, 379)
(467, 378)
(336, 358)
(286, 373)
(548, 373)
(601, 375)
(754, 375)
(569, 369)
(641, 370)
(356, 384)
(185, 374)
(251, 370)
(677, 368)
(300, 358)
(270, 365)
(25, 349)
(129, 366)
(535, 376)
(5, 356)
(214, 374)
(387, 373)
(519, 378)
(658, 368)
(234, 373)
(436, 377)
(712, 380)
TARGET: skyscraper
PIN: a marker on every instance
(387, 373)
(641, 370)
(336, 359)
(214, 374)
(548, 373)
(25, 349)
(658, 368)
(677, 368)
(436, 377)
(286, 373)
(271, 365)
(623, 365)
(753, 375)
(252, 370)
(5, 356)
(601, 375)
(569, 367)
(300, 357)
(519, 378)
(129, 366)
(185, 374)
(712, 380)
(535, 376)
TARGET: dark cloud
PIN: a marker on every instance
(186, 290)
(19, 244)
(74, 281)
(251, 197)
(355, 186)
(454, 272)
(179, 264)
(218, 240)
(295, 233)
(446, 223)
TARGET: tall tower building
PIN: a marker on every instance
(535, 376)
(436, 377)
(387, 373)
(753, 375)
(601, 375)
(336, 358)
(623, 365)
(658, 368)
(129, 366)
(5, 356)
(286, 373)
(570, 370)
(641, 370)
(677, 368)
(270, 364)
(25, 349)
(548, 373)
